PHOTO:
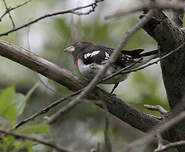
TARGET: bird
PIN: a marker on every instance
(89, 58)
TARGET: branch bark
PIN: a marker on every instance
(168, 37)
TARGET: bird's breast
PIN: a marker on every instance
(90, 71)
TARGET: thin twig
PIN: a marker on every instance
(178, 15)
(161, 128)
(156, 108)
(45, 109)
(93, 7)
(108, 146)
(9, 14)
(101, 72)
(13, 8)
(157, 5)
(73, 11)
(159, 140)
(161, 147)
(171, 145)
(120, 71)
(23, 137)
(20, 5)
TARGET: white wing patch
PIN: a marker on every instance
(107, 56)
(91, 54)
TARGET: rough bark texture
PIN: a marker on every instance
(169, 37)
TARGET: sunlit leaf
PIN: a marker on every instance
(7, 107)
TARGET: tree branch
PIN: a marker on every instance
(22, 137)
(46, 109)
(13, 8)
(157, 4)
(10, 16)
(156, 108)
(72, 11)
(160, 128)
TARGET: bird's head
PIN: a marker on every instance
(78, 47)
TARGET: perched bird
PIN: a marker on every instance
(90, 58)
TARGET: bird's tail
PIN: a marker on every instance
(150, 53)
(146, 57)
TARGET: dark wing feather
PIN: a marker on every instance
(128, 57)
(104, 54)
(134, 53)
(98, 54)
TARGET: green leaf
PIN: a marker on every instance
(7, 107)
(21, 100)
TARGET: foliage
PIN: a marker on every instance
(11, 107)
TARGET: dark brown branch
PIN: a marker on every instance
(22, 137)
(72, 11)
(44, 67)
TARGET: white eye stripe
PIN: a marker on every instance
(91, 54)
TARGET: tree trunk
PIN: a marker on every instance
(170, 37)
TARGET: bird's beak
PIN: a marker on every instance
(69, 49)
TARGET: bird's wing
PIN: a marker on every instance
(97, 55)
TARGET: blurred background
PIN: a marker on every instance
(83, 128)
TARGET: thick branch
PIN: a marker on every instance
(116, 106)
